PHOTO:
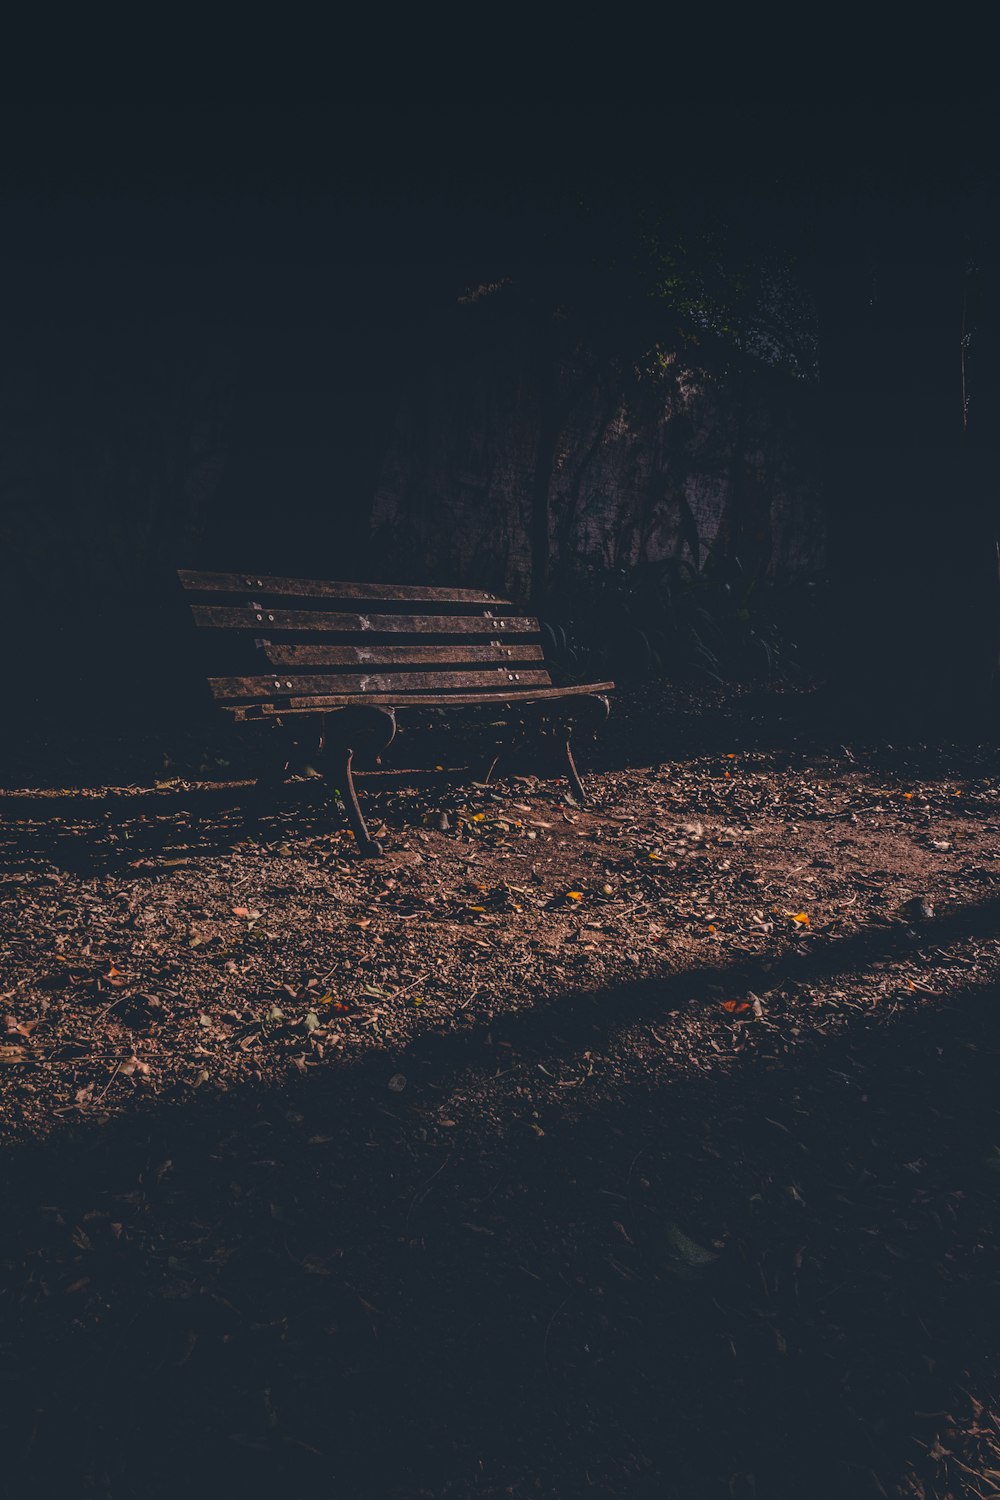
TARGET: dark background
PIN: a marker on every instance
(226, 250)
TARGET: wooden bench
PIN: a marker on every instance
(347, 656)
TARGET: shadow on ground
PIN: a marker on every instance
(776, 1280)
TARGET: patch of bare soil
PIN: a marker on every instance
(644, 1148)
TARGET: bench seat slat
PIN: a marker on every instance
(318, 588)
(390, 656)
(325, 702)
(358, 683)
(223, 618)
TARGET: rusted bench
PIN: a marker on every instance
(347, 656)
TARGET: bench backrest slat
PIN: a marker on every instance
(487, 623)
(364, 642)
(264, 585)
(507, 678)
(385, 656)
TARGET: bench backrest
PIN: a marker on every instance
(323, 641)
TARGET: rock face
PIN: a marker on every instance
(645, 463)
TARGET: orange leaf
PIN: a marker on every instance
(799, 916)
(241, 911)
(735, 1005)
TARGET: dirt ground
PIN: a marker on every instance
(644, 1148)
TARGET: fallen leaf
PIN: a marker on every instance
(19, 1028)
(688, 1249)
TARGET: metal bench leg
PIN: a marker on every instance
(588, 712)
(267, 787)
(505, 748)
(342, 758)
(576, 785)
(272, 780)
(283, 750)
(367, 729)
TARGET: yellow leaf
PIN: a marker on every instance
(478, 817)
(799, 916)
(574, 895)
